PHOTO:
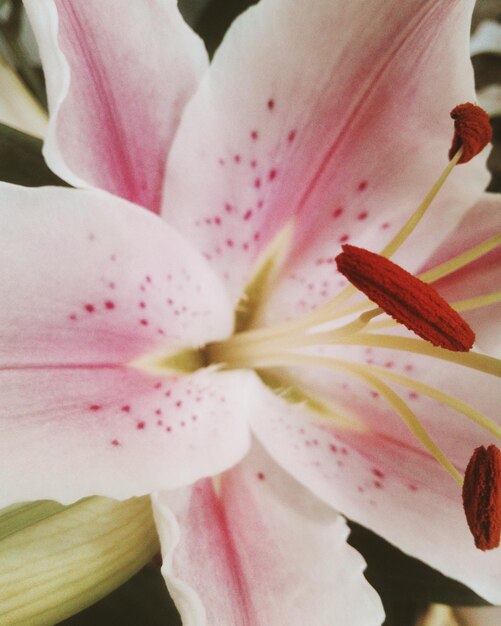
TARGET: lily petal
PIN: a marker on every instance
(251, 537)
(364, 462)
(345, 138)
(481, 277)
(90, 286)
(101, 282)
(117, 78)
(68, 433)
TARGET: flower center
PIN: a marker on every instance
(407, 299)
(411, 301)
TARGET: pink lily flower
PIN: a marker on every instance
(315, 125)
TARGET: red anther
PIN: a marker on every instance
(407, 299)
(482, 497)
(472, 131)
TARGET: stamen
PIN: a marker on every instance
(362, 372)
(247, 346)
(400, 238)
(457, 262)
(469, 304)
(454, 403)
(407, 299)
(473, 360)
(477, 302)
(472, 131)
(330, 310)
(439, 271)
(482, 497)
(287, 359)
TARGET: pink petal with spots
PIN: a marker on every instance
(69, 432)
(364, 462)
(92, 278)
(456, 434)
(345, 131)
(478, 278)
(77, 268)
(255, 548)
(117, 81)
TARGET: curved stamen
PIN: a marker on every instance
(473, 360)
(472, 132)
(440, 271)
(469, 304)
(360, 371)
(407, 299)
(459, 261)
(406, 230)
(444, 398)
(477, 302)
(254, 355)
(405, 381)
(245, 345)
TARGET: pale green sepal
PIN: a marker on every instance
(72, 558)
(16, 517)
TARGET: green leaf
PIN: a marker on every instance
(399, 579)
(21, 160)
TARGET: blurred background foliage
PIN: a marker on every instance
(406, 585)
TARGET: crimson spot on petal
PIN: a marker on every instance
(482, 496)
(472, 131)
(407, 299)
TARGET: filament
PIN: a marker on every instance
(461, 260)
(473, 360)
(391, 247)
(444, 398)
(406, 414)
